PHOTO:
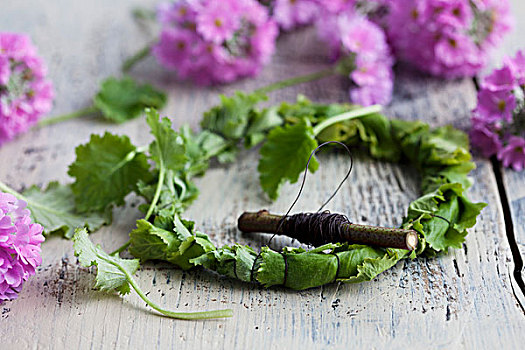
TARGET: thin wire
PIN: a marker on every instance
(281, 222)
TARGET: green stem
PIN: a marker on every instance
(121, 248)
(60, 118)
(7, 189)
(136, 58)
(156, 197)
(201, 315)
(297, 80)
(356, 113)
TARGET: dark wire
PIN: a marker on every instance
(281, 222)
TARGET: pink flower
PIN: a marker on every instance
(20, 242)
(217, 21)
(500, 79)
(498, 119)
(495, 105)
(513, 155)
(450, 38)
(363, 37)
(215, 42)
(517, 66)
(25, 93)
(290, 14)
(351, 36)
(485, 139)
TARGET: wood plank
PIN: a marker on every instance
(514, 182)
(460, 300)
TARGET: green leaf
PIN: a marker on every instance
(176, 194)
(371, 267)
(284, 156)
(106, 170)
(168, 148)
(200, 148)
(54, 209)
(114, 273)
(170, 240)
(231, 117)
(110, 276)
(149, 242)
(260, 124)
(125, 99)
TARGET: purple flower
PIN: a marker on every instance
(495, 105)
(20, 242)
(500, 79)
(351, 35)
(337, 6)
(215, 42)
(25, 93)
(513, 154)
(500, 113)
(291, 14)
(363, 37)
(485, 139)
(450, 38)
(217, 21)
(517, 66)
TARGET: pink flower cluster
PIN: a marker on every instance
(498, 121)
(214, 42)
(25, 93)
(349, 34)
(290, 14)
(449, 38)
(20, 242)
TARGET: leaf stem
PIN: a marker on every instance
(156, 197)
(121, 248)
(60, 118)
(7, 189)
(297, 80)
(200, 315)
(130, 62)
(356, 113)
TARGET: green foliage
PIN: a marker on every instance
(231, 117)
(106, 170)
(116, 274)
(171, 240)
(112, 271)
(125, 99)
(109, 167)
(167, 150)
(237, 118)
(284, 156)
(54, 208)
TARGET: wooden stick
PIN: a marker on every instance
(263, 221)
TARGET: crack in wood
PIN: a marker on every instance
(511, 237)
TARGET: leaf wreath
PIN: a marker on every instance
(441, 215)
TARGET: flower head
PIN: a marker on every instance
(513, 154)
(20, 242)
(214, 42)
(350, 35)
(290, 14)
(498, 121)
(449, 38)
(495, 105)
(25, 93)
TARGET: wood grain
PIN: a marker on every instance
(463, 299)
(514, 182)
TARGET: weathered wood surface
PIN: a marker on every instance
(466, 299)
(514, 182)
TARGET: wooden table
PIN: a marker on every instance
(470, 298)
